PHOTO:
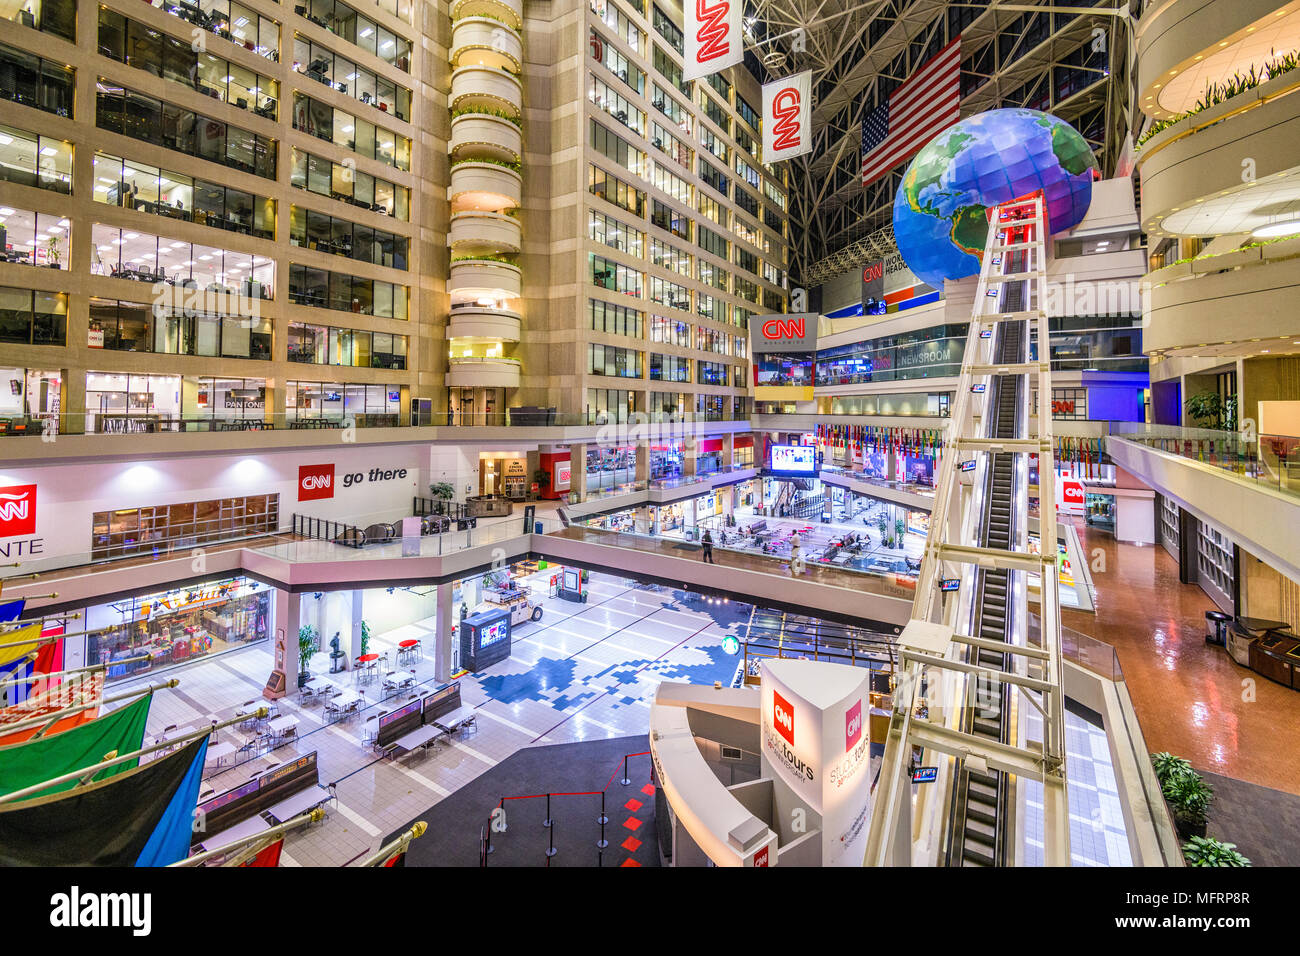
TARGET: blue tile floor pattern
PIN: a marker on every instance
(615, 650)
(1098, 836)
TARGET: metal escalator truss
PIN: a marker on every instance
(967, 667)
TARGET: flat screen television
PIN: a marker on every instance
(794, 461)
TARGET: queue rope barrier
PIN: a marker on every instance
(501, 825)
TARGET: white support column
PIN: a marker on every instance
(447, 618)
(285, 615)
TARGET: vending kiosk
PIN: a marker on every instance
(484, 638)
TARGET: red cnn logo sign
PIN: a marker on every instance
(853, 726)
(1072, 493)
(760, 858)
(712, 33)
(774, 329)
(315, 481)
(785, 116)
(17, 510)
(783, 717)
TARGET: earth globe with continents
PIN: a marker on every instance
(940, 211)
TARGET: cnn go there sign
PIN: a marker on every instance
(787, 116)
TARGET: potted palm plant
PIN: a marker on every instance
(306, 648)
(365, 638)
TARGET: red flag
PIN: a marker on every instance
(269, 856)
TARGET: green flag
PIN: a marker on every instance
(27, 764)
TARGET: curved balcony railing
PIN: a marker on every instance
(486, 136)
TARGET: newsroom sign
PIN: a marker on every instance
(783, 333)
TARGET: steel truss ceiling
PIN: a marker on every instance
(860, 51)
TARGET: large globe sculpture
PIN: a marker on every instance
(940, 218)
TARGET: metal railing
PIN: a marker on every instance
(1272, 461)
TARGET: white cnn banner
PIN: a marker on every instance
(713, 36)
(787, 118)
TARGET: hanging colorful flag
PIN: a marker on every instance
(77, 690)
(26, 764)
(787, 117)
(714, 36)
(268, 856)
(20, 643)
(12, 610)
(144, 817)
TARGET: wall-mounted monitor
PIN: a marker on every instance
(794, 461)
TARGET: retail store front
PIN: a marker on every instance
(167, 628)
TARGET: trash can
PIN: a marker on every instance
(1216, 627)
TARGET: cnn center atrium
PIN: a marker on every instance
(780, 433)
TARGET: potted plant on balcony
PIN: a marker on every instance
(443, 492)
(1206, 851)
(542, 479)
(53, 251)
(306, 648)
(365, 638)
(1211, 410)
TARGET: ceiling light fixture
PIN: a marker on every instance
(1284, 227)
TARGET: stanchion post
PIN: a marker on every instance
(602, 820)
(548, 821)
(551, 851)
(626, 780)
(487, 851)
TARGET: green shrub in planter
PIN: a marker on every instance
(1205, 851)
(1189, 797)
(1167, 766)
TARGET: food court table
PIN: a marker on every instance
(217, 753)
(453, 718)
(283, 726)
(247, 828)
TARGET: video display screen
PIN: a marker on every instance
(489, 635)
(799, 460)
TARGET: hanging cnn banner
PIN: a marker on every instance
(787, 118)
(713, 37)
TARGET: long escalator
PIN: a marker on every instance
(982, 806)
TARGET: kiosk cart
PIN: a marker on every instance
(484, 638)
(518, 601)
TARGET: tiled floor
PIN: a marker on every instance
(584, 671)
(1191, 698)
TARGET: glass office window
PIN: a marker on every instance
(611, 232)
(32, 81)
(32, 160)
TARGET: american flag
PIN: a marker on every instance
(913, 114)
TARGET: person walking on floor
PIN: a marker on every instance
(796, 555)
(707, 542)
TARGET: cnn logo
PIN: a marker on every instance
(783, 717)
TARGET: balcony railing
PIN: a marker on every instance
(1272, 461)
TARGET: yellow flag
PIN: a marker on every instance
(19, 642)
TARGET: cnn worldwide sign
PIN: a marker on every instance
(713, 37)
(787, 118)
(783, 333)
